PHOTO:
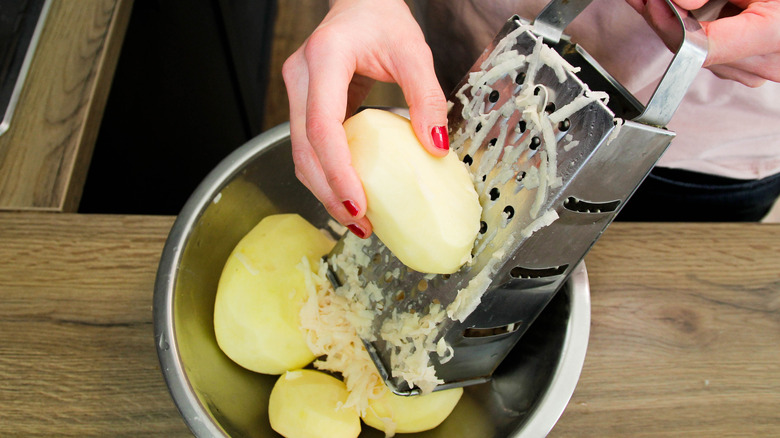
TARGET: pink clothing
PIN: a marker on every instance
(723, 127)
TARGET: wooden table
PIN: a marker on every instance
(685, 333)
(45, 155)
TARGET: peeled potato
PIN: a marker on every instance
(306, 404)
(414, 413)
(261, 291)
(425, 209)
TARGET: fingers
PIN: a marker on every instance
(309, 172)
(427, 105)
(744, 42)
(752, 32)
(308, 166)
(737, 74)
(326, 105)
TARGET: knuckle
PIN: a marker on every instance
(421, 49)
(287, 70)
(321, 41)
(300, 175)
(317, 129)
(291, 67)
(336, 179)
(333, 206)
(432, 97)
(302, 157)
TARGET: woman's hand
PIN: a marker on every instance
(327, 78)
(744, 41)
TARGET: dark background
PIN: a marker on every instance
(189, 88)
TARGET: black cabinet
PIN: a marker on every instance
(189, 88)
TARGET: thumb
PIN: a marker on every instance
(427, 105)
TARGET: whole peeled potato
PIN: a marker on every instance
(414, 413)
(307, 404)
(425, 209)
(261, 291)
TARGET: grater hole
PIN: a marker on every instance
(509, 211)
(581, 206)
(484, 178)
(520, 78)
(523, 272)
(494, 193)
(468, 160)
(535, 143)
(479, 126)
(493, 97)
(474, 332)
(550, 108)
(564, 124)
(492, 142)
(537, 90)
(520, 176)
(521, 125)
(483, 227)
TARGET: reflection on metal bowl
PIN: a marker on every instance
(216, 397)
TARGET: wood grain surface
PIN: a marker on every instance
(45, 154)
(685, 334)
(685, 337)
(77, 356)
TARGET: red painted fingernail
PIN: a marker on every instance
(351, 207)
(440, 137)
(356, 230)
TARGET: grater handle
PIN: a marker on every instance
(688, 58)
(555, 17)
(687, 61)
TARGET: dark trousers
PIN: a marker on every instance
(684, 196)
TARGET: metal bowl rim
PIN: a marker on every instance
(192, 410)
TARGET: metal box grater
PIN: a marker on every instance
(548, 190)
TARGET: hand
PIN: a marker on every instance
(327, 78)
(744, 41)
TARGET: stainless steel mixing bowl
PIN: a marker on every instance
(218, 398)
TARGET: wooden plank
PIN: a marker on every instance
(685, 334)
(46, 152)
(77, 356)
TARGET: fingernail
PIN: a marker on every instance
(440, 137)
(356, 230)
(351, 207)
